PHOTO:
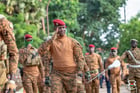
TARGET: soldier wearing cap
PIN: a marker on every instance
(133, 58)
(32, 65)
(68, 60)
(94, 62)
(7, 46)
(115, 77)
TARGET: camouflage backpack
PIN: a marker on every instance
(33, 58)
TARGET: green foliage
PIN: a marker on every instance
(96, 17)
(33, 10)
(21, 30)
(67, 10)
(80, 40)
(100, 17)
(129, 31)
(2, 8)
(21, 27)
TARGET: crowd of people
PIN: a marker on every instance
(59, 66)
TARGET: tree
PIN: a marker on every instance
(129, 31)
(86, 20)
(67, 10)
(21, 27)
(100, 18)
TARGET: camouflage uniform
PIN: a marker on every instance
(63, 51)
(31, 72)
(7, 37)
(115, 77)
(94, 62)
(81, 86)
(42, 87)
(134, 73)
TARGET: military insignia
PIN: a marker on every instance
(131, 85)
(56, 24)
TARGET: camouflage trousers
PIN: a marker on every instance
(41, 86)
(30, 84)
(137, 84)
(92, 87)
(80, 88)
(62, 81)
(115, 81)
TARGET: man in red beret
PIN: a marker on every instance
(32, 65)
(68, 60)
(115, 77)
(8, 47)
(94, 62)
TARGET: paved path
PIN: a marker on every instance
(122, 90)
(102, 90)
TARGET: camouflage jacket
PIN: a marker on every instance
(7, 35)
(47, 47)
(30, 70)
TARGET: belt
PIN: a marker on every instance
(134, 66)
(94, 71)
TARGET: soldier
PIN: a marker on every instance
(94, 62)
(32, 65)
(42, 87)
(7, 45)
(133, 58)
(64, 51)
(115, 77)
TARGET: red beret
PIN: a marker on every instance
(27, 36)
(58, 22)
(91, 45)
(86, 53)
(113, 48)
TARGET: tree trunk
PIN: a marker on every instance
(43, 23)
(48, 18)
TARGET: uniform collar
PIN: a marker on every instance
(58, 37)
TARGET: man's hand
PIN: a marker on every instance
(55, 34)
(29, 46)
(56, 31)
(107, 77)
(87, 75)
(102, 70)
(43, 81)
(79, 79)
(124, 76)
(48, 81)
(93, 75)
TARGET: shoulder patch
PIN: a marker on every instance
(76, 42)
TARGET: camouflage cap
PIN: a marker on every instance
(134, 40)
